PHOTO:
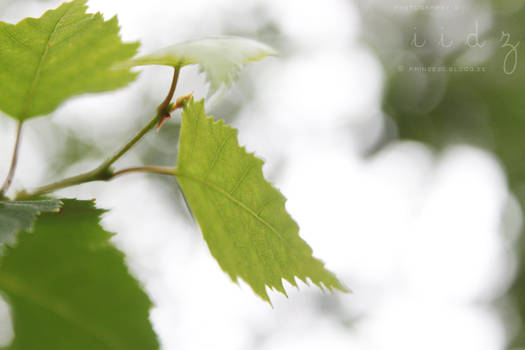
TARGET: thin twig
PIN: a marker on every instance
(14, 160)
(103, 171)
(146, 169)
(90, 177)
(163, 109)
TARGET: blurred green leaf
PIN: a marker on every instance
(65, 52)
(18, 216)
(220, 57)
(242, 216)
(69, 288)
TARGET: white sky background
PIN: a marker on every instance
(415, 235)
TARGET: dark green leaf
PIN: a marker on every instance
(69, 288)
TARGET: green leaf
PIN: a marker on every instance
(241, 215)
(69, 288)
(65, 52)
(18, 216)
(220, 57)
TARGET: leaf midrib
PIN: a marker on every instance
(178, 173)
(30, 94)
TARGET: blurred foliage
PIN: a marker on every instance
(485, 108)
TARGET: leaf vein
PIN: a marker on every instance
(254, 245)
(243, 177)
(233, 200)
(36, 77)
(15, 39)
(266, 204)
(218, 153)
(74, 34)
